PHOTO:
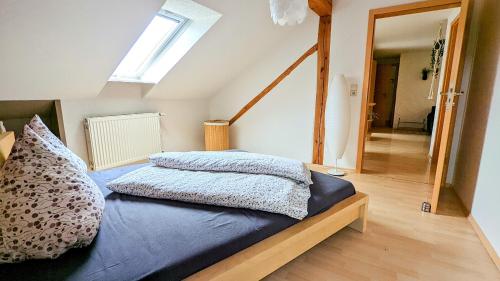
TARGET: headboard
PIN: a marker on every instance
(6, 142)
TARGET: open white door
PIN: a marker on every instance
(452, 97)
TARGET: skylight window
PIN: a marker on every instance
(160, 34)
(171, 34)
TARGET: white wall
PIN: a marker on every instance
(412, 104)
(281, 123)
(485, 96)
(486, 206)
(181, 129)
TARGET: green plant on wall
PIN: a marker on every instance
(425, 73)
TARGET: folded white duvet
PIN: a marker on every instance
(240, 190)
(239, 162)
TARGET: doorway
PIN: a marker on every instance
(384, 96)
(401, 129)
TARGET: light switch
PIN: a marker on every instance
(354, 89)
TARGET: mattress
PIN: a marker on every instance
(152, 239)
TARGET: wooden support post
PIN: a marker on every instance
(325, 25)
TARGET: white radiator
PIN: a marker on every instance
(118, 140)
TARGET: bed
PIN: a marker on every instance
(143, 238)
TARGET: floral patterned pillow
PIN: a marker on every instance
(47, 205)
(39, 127)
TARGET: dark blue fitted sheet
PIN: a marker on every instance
(142, 238)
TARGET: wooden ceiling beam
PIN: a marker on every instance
(321, 7)
(271, 86)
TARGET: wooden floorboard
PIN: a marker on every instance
(401, 242)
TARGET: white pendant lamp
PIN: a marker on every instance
(338, 119)
(289, 12)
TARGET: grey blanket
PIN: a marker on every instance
(259, 192)
(239, 162)
(231, 179)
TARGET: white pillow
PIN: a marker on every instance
(39, 127)
(48, 205)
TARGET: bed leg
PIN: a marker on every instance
(360, 223)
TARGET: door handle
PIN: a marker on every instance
(452, 93)
(450, 100)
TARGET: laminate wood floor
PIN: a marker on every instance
(401, 242)
(399, 155)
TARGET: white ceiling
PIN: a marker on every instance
(57, 49)
(243, 34)
(409, 32)
(66, 49)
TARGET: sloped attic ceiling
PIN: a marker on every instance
(55, 49)
(243, 34)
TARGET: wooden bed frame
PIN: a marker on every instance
(261, 259)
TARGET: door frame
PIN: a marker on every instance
(374, 14)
